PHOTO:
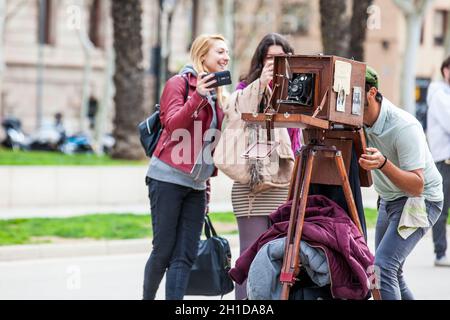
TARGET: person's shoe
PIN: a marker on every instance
(442, 262)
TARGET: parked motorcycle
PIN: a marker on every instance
(46, 138)
(15, 137)
(79, 143)
(51, 137)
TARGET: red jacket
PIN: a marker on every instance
(175, 114)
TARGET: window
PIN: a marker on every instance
(441, 20)
(95, 23)
(46, 23)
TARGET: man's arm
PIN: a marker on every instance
(411, 182)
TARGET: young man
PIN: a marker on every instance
(405, 177)
(438, 134)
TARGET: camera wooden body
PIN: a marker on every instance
(326, 118)
(346, 109)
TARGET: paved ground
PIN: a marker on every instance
(220, 202)
(119, 276)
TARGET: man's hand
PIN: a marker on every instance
(411, 182)
(372, 159)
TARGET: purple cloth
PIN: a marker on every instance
(241, 85)
(294, 133)
(329, 227)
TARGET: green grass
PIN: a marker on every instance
(96, 226)
(105, 226)
(371, 217)
(40, 158)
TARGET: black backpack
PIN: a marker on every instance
(151, 128)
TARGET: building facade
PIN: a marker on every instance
(53, 68)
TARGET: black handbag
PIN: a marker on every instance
(151, 128)
(209, 274)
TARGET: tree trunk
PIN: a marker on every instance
(128, 78)
(414, 12)
(2, 59)
(358, 27)
(408, 77)
(334, 27)
(88, 48)
(447, 39)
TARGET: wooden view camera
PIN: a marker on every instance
(323, 87)
(324, 95)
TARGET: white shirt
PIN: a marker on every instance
(438, 120)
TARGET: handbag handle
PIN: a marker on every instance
(209, 228)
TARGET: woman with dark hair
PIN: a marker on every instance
(260, 186)
(271, 45)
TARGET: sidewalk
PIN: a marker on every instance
(112, 202)
(50, 273)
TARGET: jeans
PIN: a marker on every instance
(177, 219)
(391, 249)
(440, 227)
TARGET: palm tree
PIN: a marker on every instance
(128, 78)
(334, 26)
(343, 35)
(414, 12)
(358, 27)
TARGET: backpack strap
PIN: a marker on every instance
(186, 92)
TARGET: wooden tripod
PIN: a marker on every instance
(298, 193)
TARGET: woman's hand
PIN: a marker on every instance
(266, 74)
(203, 83)
(371, 161)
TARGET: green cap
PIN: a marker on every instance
(371, 77)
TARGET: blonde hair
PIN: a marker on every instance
(199, 49)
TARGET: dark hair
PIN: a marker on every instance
(445, 64)
(378, 96)
(256, 66)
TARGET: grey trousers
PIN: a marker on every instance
(440, 227)
(250, 228)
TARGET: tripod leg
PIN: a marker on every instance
(347, 191)
(351, 205)
(294, 177)
(291, 261)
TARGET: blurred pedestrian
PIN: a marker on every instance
(59, 127)
(438, 134)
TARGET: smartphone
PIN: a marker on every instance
(223, 78)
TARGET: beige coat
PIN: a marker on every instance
(237, 136)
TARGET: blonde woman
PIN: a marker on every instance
(181, 165)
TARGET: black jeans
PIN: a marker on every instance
(177, 219)
(440, 227)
